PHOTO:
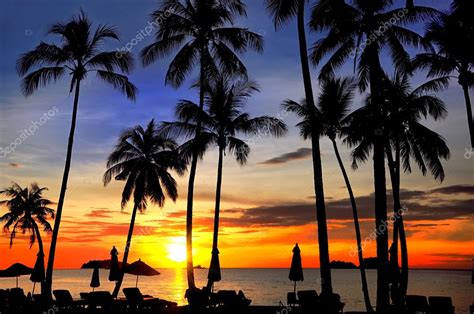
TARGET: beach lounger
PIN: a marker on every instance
(103, 300)
(16, 300)
(84, 295)
(41, 302)
(441, 305)
(136, 300)
(291, 299)
(417, 304)
(308, 299)
(64, 300)
(198, 299)
(232, 299)
(331, 304)
(3, 300)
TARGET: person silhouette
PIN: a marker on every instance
(114, 265)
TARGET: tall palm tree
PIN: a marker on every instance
(333, 105)
(283, 11)
(407, 139)
(77, 54)
(356, 31)
(222, 122)
(451, 33)
(203, 33)
(27, 210)
(142, 158)
(405, 108)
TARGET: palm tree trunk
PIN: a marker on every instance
(376, 76)
(48, 284)
(40, 248)
(118, 284)
(218, 205)
(192, 177)
(325, 268)
(401, 228)
(38, 238)
(470, 122)
(363, 276)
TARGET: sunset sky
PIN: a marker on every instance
(267, 205)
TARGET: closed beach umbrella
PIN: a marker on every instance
(95, 281)
(214, 274)
(296, 270)
(114, 265)
(140, 268)
(16, 270)
(38, 271)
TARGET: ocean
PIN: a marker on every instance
(269, 286)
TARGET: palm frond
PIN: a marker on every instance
(119, 82)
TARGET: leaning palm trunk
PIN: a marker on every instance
(48, 284)
(470, 122)
(215, 249)
(40, 247)
(376, 75)
(363, 276)
(192, 177)
(118, 284)
(189, 223)
(325, 268)
(398, 226)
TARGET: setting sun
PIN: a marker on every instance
(176, 252)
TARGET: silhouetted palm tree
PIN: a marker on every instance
(203, 33)
(142, 158)
(282, 12)
(410, 139)
(223, 121)
(452, 34)
(27, 210)
(360, 31)
(407, 139)
(333, 106)
(77, 54)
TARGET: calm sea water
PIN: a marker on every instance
(269, 286)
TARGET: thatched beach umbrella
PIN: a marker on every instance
(95, 281)
(38, 271)
(140, 268)
(16, 270)
(296, 270)
(114, 273)
(214, 274)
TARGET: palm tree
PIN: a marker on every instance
(142, 158)
(221, 123)
(203, 32)
(77, 54)
(27, 210)
(333, 105)
(356, 31)
(282, 12)
(407, 139)
(451, 33)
